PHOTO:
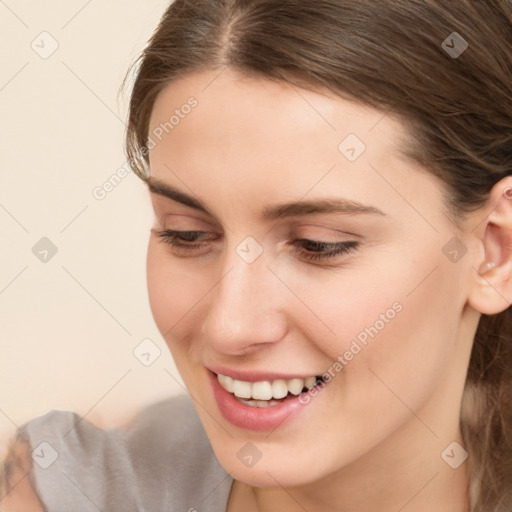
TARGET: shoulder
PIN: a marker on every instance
(161, 458)
(169, 446)
(75, 465)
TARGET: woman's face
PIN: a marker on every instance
(360, 281)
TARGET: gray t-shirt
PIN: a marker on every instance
(161, 462)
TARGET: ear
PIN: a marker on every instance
(491, 291)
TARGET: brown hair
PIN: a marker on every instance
(390, 55)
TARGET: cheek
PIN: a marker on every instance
(172, 293)
(397, 311)
(396, 332)
(405, 299)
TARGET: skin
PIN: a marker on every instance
(17, 492)
(372, 438)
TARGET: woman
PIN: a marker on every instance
(330, 265)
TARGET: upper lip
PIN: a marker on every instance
(257, 376)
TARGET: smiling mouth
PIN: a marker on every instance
(268, 392)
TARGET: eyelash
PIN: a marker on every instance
(338, 248)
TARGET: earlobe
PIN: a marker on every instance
(486, 267)
(491, 292)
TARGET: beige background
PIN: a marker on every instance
(69, 325)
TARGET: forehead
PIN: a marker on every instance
(241, 105)
(246, 121)
(253, 138)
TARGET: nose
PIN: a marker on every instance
(245, 309)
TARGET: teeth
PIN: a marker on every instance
(259, 403)
(265, 390)
(279, 388)
(242, 389)
(310, 382)
(295, 386)
(226, 382)
(262, 390)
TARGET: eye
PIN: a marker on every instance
(323, 251)
(187, 242)
(183, 241)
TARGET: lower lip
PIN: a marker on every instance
(254, 418)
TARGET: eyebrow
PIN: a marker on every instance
(271, 212)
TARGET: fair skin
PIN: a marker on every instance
(372, 439)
